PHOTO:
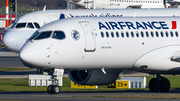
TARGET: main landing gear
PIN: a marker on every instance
(159, 84)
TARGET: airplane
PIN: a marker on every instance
(18, 33)
(95, 50)
(26, 25)
(114, 4)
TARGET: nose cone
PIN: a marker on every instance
(11, 41)
(32, 56)
(26, 57)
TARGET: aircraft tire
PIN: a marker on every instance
(56, 89)
(164, 85)
(153, 86)
(50, 89)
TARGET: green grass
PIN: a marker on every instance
(7, 69)
(21, 85)
(18, 85)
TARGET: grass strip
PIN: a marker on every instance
(8, 69)
(20, 85)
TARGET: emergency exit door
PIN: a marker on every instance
(89, 36)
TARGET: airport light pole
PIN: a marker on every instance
(7, 13)
(16, 10)
(35, 6)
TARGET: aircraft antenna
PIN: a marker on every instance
(44, 9)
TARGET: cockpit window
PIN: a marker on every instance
(30, 25)
(20, 25)
(43, 35)
(13, 25)
(58, 35)
(34, 35)
(36, 25)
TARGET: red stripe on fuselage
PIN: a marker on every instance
(174, 25)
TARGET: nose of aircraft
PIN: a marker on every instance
(26, 57)
(10, 41)
(31, 56)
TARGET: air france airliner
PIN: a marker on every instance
(95, 50)
(26, 25)
(114, 4)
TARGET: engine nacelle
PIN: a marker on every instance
(93, 77)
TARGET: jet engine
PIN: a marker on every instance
(93, 77)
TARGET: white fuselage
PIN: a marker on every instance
(114, 4)
(145, 44)
(16, 37)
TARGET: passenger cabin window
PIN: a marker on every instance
(112, 34)
(152, 34)
(122, 34)
(171, 34)
(107, 34)
(102, 34)
(147, 34)
(157, 35)
(127, 34)
(162, 35)
(176, 34)
(58, 35)
(167, 34)
(142, 34)
(30, 25)
(21, 25)
(132, 34)
(137, 34)
(36, 25)
(117, 34)
(43, 35)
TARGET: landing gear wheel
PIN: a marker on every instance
(153, 86)
(164, 85)
(50, 89)
(56, 89)
(53, 89)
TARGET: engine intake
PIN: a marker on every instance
(93, 77)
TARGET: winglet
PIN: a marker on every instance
(44, 9)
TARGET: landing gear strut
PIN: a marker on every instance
(159, 83)
(54, 88)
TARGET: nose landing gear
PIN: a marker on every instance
(53, 89)
(159, 83)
